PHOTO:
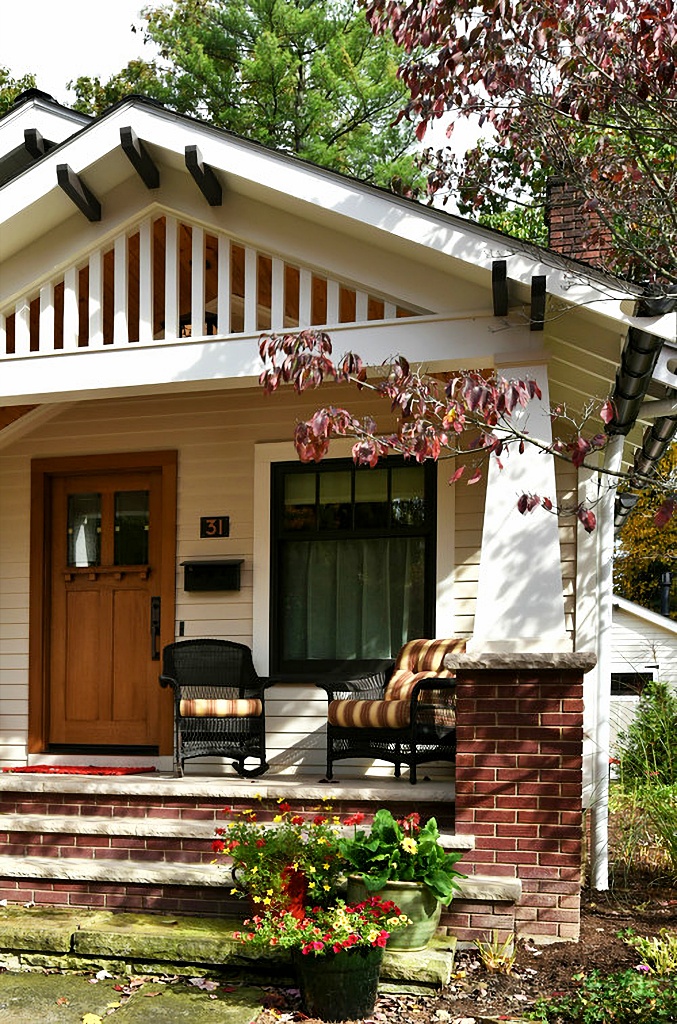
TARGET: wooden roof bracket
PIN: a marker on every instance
(34, 144)
(78, 193)
(204, 176)
(140, 158)
(499, 287)
(538, 296)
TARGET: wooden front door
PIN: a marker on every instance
(105, 584)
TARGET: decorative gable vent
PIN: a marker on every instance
(168, 280)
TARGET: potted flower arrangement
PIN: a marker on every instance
(404, 861)
(284, 864)
(337, 952)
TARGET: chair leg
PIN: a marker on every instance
(250, 773)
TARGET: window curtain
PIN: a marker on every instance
(350, 599)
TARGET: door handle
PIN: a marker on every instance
(155, 606)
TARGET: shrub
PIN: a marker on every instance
(658, 953)
(647, 749)
(627, 997)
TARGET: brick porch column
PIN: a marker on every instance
(519, 779)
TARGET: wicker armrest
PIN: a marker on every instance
(367, 687)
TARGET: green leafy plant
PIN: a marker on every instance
(326, 929)
(659, 953)
(661, 806)
(292, 860)
(627, 997)
(496, 956)
(636, 843)
(647, 749)
(401, 851)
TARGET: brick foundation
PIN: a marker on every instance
(519, 787)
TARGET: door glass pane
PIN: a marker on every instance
(131, 528)
(335, 501)
(299, 501)
(84, 529)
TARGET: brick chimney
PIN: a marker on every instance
(571, 231)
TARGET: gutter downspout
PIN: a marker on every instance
(599, 806)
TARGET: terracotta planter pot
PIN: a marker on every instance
(415, 900)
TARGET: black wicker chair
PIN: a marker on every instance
(404, 712)
(219, 703)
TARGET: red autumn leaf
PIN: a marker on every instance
(457, 475)
(665, 513)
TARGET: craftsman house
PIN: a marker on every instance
(149, 491)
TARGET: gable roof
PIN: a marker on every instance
(78, 175)
(638, 612)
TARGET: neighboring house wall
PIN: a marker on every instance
(645, 643)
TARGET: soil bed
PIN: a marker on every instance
(644, 906)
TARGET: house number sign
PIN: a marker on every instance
(214, 526)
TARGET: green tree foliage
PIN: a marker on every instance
(647, 749)
(304, 76)
(646, 550)
(11, 87)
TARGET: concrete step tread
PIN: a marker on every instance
(151, 826)
(478, 887)
(105, 936)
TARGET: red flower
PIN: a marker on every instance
(220, 831)
(319, 820)
(260, 843)
(233, 845)
(284, 807)
(218, 846)
(355, 819)
(297, 820)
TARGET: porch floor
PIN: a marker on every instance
(271, 786)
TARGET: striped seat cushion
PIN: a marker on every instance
(203, 707)
(369, 714)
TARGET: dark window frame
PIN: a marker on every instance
(630, 684)
(311, 670)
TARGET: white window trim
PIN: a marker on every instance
(265, 454)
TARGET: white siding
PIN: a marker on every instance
(640, 645)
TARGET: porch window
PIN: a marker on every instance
(353, 562)
(629, 684)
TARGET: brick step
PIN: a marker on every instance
(479, 887)
(183, 828)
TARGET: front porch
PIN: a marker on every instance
(515, 810)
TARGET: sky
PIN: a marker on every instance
(61, 40)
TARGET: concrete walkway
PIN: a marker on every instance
(28, 997)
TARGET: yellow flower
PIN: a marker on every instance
(254, 869)
(266, 900)
(327, 888)
(409, 845)
(269, 892)
(326, 867)
(234, 892)
(278, 817)
(312, 869)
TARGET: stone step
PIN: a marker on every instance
(141, 943)
(478, 887)
(152, 827)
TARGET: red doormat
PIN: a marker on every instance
(80, 769)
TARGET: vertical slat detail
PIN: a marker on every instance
(389, 310)
(332, 301)
(250, 319)
(3, 335)
(95, 300)
(145, 282)
(171, 279)
(305, 297)
(70, 309)
(46, 328)
(120, 326)
(361, 307)
(277, 296)
(197, 284)
(22, 327)
(224, 287)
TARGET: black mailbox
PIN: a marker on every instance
(223, 574)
